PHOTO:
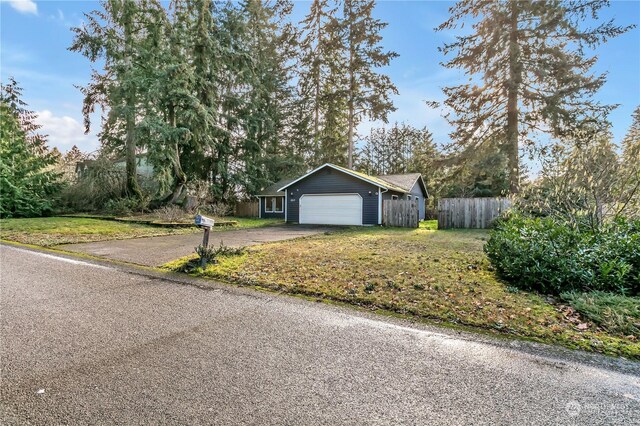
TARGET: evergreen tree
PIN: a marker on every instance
(367, 92)
(630, 198)
(29, 184)
(400, 149)
(320, 80)
(67, 162)
(530, 73)
(111, 35)
(631, 141)
(270, 98)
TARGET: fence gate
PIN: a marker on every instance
(470, 212)
(402, 213)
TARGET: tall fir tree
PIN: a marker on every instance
(530, 73)
(366, 91)
(631, 167)
(321, 69)
(111, 35)
(631, 141)
(29, 183)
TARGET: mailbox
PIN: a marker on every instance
(203, 221)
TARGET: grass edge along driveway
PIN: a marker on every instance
(54, 231)
(441, 276)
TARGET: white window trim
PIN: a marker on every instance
(394, 197)
(271, 205)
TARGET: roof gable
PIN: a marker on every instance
(406, 181)
(362, 176)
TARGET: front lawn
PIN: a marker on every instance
(187, 218)
(52, 231)
(430, 274)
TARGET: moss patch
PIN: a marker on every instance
(438, 275)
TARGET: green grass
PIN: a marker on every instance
(613, 312)
(425, 273)
(52, 231)
(247, 222)
(241, 222)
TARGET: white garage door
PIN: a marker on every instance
(336, 209)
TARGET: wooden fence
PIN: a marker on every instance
(470, 212)
(402, 213)
(248, 209)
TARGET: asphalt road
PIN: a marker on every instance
(85, 343)
(156, 251)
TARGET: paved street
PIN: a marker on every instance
(86, 343)
(156, 251)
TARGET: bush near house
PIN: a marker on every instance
(551, 256)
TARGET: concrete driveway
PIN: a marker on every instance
(90, 343)
(156, 251)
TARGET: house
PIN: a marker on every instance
(334, 195)
(271, 200)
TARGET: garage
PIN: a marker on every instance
(334, 195)
(331, 209)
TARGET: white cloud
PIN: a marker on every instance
(65, 131)
(24, 6)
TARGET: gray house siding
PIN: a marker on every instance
(263, 212)
(416, 191)
(331, 181)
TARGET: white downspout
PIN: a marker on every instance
(285, 207)
(380, 191)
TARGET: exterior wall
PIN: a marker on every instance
(416, 192)
(331, 181)
(263, 212)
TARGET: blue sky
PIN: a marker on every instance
(35, 35)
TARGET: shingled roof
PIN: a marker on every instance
(272, 190)
(371, 179)
(404, 181)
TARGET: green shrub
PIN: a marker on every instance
(616, 313)
(95, 187)
(550, 256)
(210, 254)
(125, 206)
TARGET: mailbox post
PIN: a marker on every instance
(206, 223)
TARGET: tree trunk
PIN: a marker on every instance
(132, 188)
(515, 79)
(351, 95)
(316, 112)
(179, 175)
(350, 136)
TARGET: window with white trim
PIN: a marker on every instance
(409, 197)
(394, 197)
(273, 205)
